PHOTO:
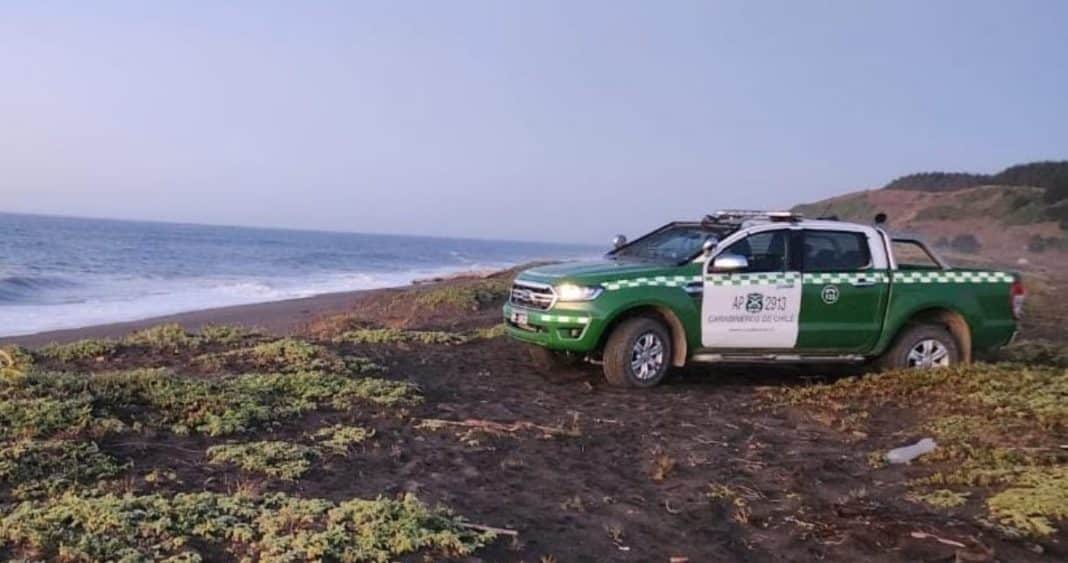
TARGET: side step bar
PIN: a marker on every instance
(775, 359)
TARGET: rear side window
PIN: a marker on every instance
(835, 251)
(910, 255)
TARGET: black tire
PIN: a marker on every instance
(912, 339)
(621, 353)
(552, 360)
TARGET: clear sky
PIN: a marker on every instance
(569, 120)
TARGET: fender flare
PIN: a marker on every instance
(953, 320)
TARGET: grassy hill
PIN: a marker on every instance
(1018, 216)
(1051, 176)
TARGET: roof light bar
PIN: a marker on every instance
(727, 215)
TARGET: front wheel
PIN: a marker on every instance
(922, 347)
(638, 353)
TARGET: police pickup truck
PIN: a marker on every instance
(761, 287)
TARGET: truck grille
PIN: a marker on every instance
(532, 295)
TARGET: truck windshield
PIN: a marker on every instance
(671, 244)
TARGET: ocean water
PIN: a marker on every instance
(58, 273)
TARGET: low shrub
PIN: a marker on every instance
(467, 295)
(995, 425)
(43, 404)
(940, 498)
(14, 361)
(494, 331)
(271, 528)
(80, 351)
(1033, 500)
(340, 438)
(227, 335)
(163, 338)
(397, 336)
(283, 460)
(287, 355)
(43, 416)
(44, 468)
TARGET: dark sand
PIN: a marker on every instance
(278, 317)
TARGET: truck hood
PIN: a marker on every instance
(593, 270)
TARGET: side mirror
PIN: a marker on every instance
(725, 263)
(618, 241)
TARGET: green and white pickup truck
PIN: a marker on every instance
(770, 287)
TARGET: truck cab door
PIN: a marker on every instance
(755, 307)
(844, 291)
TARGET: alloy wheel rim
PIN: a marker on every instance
(647, 356)
(928, 353)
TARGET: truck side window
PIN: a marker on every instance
(911, 256)
(766, 252)
(835, 251)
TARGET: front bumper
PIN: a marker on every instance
(575, 327)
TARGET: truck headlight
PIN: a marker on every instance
(572, 292)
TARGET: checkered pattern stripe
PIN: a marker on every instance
(652, 281)
(777, 278)
(769, 278)
(950, 276)
(561, 319)
(845, 277)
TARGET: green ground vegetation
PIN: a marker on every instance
(45, 404)
(282, 460)
(399, 336)
(468, 295)
(70, 491)
(999, 427)
(163, 339)
(340, 438)
(287, 355)
(38, 469)
(269, 528)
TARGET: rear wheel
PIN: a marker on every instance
(638, 353)
(922, 347)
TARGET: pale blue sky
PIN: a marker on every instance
(568, 120)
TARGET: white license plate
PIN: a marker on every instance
(519, 318)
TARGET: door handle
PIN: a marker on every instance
(862, 282)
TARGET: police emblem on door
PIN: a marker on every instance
(754, 302)
(829, 294)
